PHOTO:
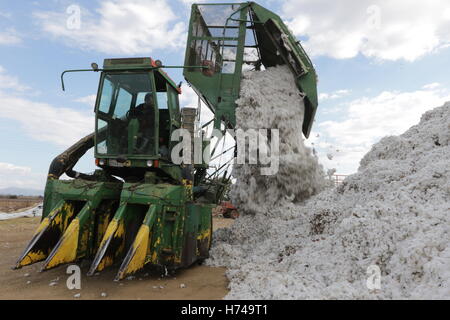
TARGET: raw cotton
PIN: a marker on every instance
(393, 214)
(271, 100)
(33, 212)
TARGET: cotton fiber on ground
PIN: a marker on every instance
(33, 212)
(393, 213)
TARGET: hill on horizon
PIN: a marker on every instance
(21, 192)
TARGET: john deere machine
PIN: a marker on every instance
(140, 207)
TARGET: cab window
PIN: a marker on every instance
(127, 114)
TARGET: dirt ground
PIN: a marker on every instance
(198, 282)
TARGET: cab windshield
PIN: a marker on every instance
(126, 115)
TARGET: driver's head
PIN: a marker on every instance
(148, 99)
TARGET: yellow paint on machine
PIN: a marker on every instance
(70, 211)
(31, 258)
(101, 229)
(53, 217)
(44, 225)
(204, 234)
(140, 248)
(106, 262)
(56, 216)
(83, 243)
(154, 258)
(67, 249)
(57, 219)
(35, 256)
(112, 227)
(115, 229)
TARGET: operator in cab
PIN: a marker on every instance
(145, 113)
(148, 107)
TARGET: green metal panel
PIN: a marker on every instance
(78, 190)
(306, 82)
(198, 232)
(220, 90)
(275, 43)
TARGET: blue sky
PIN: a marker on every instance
(381, 64)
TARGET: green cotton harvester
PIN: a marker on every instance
(140, 207)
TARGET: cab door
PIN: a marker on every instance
(175, 115)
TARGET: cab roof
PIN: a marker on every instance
(136, 64)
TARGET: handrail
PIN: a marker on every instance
(126, 69)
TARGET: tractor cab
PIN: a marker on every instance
(136, 110)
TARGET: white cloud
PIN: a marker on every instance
(42, 121)
(431, 86)
(18, 176)
(89, 100)
(367, 120)
(190, 2)
(10, 83)
(8, 168)
(119, 27)
(334, 95)
(9, 37)
(5, 14)
(388, 30)
(188, 97)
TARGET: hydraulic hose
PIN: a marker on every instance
(65, 162)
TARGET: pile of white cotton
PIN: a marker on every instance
(392, 216)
